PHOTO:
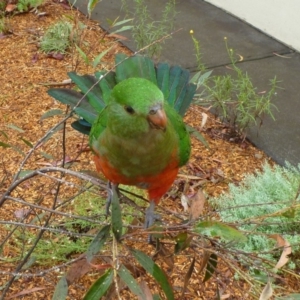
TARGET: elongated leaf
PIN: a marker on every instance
(27, 142)
(46, 155)
(98, 58)
(97, 243)
(51, 113)
(182, 242)
(100, 286)
(50, 133)
(123, 28)
(197, 135)
(152, 268)
(82, 54)
(219, 229)
(24, 173)
(267, 292)
(130, 281)
(91, 5)
(187, 277)
(121, 22)
(5, 145)
(4, 134)
(211, 266)
(15, 127)
(116, 215)
(61, 290)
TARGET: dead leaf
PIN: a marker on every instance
(146, 290)
(197, 202)
(267, 292)
(26, 292)
(78, 269)
(185, 202)
(286, 251)
(204, 120)
(21, 213)
(10, 7)
(206, 256)
(58, 56)
(118, 36)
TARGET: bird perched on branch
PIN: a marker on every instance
(134, 120)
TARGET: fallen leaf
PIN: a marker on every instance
(21, 213)
(146, 290)
(197, 202)
(118, 36)
(204, 120)
(267, 292)
(286, 251)
(26, 292)
(10, 7)
(185, 202)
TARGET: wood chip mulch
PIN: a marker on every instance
(26, 74)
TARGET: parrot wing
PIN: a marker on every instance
(95, 90)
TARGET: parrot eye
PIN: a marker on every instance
(129, 109)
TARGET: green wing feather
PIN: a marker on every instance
(95, 90)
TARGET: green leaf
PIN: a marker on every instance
(100, 286)
(211, 266)
(27, 142)
(116, 215)
(152, 268)
(197, 135)
(98, 58)
(123, 28)
(50, 133)
(182, 242)
(91, 5)
(4, 134)
(4, 145)
(219, 229)
(46, 155)
(83, 55)
(24, 173)
(97, 243)
(130, 281)
(121, 22)
(14, 127)
(61, 290)
(51, 113)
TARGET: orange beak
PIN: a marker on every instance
(157, 117)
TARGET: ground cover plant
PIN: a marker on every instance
(53, 230)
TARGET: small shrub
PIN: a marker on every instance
(58, 38)
(264, 204)
(146, 30)
(26, 5)
(235, 100)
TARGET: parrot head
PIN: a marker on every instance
(136, 107)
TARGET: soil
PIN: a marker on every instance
(26, 74)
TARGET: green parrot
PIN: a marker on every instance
(134, 120)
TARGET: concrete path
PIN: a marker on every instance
(263, 58)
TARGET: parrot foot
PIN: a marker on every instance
(150, 218)
(112, 188)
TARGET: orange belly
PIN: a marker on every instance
(157, 185)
